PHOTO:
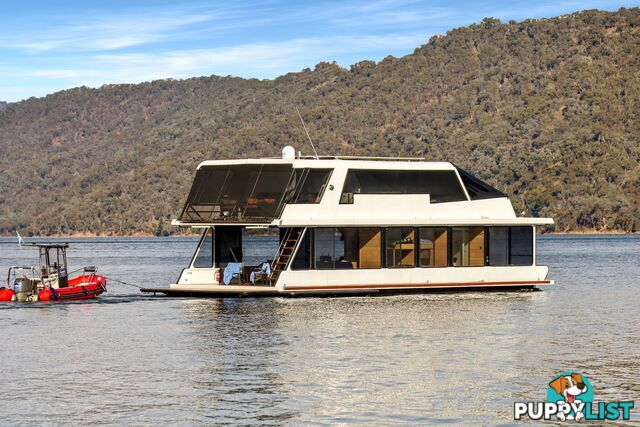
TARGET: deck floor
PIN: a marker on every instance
(215, 290)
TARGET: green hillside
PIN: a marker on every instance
(544, 110)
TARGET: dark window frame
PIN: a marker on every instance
(385, 263)
(447, 231)
(304, 175)
(199, 247)
(223, 246)
(530, 237)
(476, 188)
(237, 193)
(336, 230)
(460, 195)
(484, 260)
(310, 233)
(308, 236)
(381, 229)
(314, 261)
(509, 234)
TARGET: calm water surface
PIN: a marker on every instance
(415, 359)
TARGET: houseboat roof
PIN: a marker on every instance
(342, 161)
(342, 191)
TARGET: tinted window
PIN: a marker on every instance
(265, 195)
(442, 186)
(310, 185)
(347, 248)
(228, 245)
(478, 189)
(521, 242)
(510, 246)
(400, 246)
(302, 261)
(468, 246)
(204, 257)
(498, 245)
(324, 248)
(237, 193)
(434, 247)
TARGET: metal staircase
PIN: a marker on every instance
(285, 252)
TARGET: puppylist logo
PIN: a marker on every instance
(570, 397)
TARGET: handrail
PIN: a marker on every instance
(17, 267)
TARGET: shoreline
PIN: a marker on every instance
(586, 232)
(142, 234)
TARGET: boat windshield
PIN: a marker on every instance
(238, 193)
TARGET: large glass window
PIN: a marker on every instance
(237, 193)
(228, 245)
(204, 256)
(370, 248)
(264, 197)
(478, 189)
(310, 185)
(498, 245)
(302, 261)
(347, 248)
(521, 242)
(467, 246)
(510, 246)
(434, 247)
(356, 248)
(442, 186)
(324, 248)
(400, 247)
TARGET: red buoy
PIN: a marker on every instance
(45, 295)
(6, 294)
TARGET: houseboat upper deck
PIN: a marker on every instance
(353, 225)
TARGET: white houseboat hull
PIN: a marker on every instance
(354, 226)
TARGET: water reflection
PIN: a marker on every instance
(240, 341)
(417, 359)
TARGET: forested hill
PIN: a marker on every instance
(545, 110)
(3, 105)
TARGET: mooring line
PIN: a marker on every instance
(123, 283)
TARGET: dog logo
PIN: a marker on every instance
(570, 397)
(569, 386)
(572, 390)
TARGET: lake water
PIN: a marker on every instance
(415, 359)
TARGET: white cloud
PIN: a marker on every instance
(91, 33)
(194, 39)
(262, 60)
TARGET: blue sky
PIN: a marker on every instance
(46, 46)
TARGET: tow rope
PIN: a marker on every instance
(123, 283)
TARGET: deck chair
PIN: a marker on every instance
(262, 274)
(232, 271)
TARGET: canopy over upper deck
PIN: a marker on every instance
(238, 193)
(301, 191)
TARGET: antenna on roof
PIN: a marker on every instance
(307, 132)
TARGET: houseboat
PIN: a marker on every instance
(352, 225)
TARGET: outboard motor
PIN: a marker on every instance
(23, 288)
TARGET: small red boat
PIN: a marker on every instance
(51, 282)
